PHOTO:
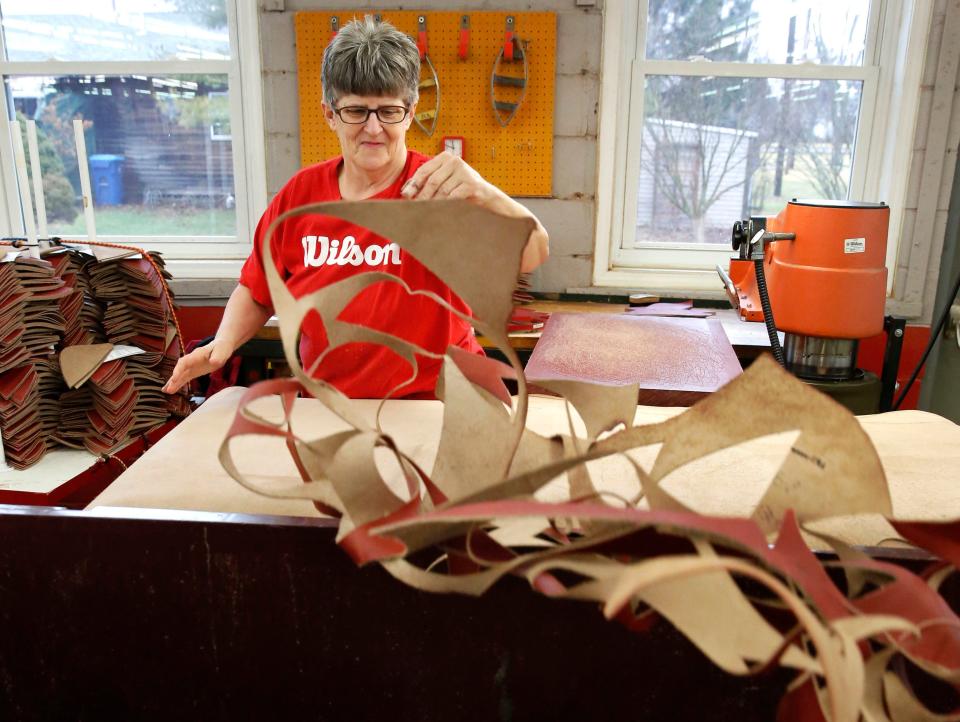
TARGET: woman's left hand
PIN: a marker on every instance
(448, 176)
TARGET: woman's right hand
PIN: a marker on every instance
(449, 176)
(198, 362)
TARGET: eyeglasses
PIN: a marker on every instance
(357, 114)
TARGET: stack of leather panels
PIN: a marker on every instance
(31, 318)
(71, 301)
(673, 361)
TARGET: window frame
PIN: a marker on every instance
(893, 60)
(191, 256)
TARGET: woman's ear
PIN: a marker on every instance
(329, 115)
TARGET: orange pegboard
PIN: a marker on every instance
(517, 158)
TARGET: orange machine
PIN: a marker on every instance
(823, 263)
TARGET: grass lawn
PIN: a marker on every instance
(795, 185)
(150, 221)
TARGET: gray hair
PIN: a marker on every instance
(370, 58)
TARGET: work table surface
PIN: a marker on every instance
(920, 453)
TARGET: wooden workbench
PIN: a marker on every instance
(920, 453)
(248, 610)
(747, 339)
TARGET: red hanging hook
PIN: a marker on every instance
(464, 48)
(422, 36)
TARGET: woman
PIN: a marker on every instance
(370, 76)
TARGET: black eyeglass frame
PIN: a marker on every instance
(339, 111)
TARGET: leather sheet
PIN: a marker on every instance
(919, 452)
(673, 361)
(921, 482)
(680, 309)
(475, 515)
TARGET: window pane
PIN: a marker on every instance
(716, 150)
(829, 32)
(159, 148)
(115, 30)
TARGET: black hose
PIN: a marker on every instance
(768, 312)
(934, 335)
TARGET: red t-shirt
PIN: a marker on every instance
(312, 251)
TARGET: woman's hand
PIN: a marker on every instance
(449, 176)
(198, 362)
(242, 317)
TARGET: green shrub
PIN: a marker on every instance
(58, 193)
(59, 197)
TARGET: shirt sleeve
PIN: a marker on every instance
(252, 274)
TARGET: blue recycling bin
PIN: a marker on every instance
(106, 175)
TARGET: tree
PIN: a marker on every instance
(702, 135)
(680, 29)
(695, 162)
(208, 106)
(56, 115)
(59, 198)
(825, 127)
(212, 13)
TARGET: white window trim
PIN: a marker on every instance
(188, 257)
(885, 140)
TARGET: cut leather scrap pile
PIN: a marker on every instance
(63, 302)
(474, 517)
(521, 293)
(526, 319)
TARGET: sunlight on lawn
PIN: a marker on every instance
(143, 221)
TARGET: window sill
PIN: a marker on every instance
(697, 285)
(672, 282)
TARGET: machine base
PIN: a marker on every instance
(821, 359)
(861, 395)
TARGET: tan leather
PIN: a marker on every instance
(502, 499)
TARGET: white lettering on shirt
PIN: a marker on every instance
(321, 251)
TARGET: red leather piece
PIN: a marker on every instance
(364, 546)
(800, 705)
(941, 539)
(422, 43)
(484, 372)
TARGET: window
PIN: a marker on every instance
(172, 146)
(716, 111)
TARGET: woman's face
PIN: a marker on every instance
(373, 145)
